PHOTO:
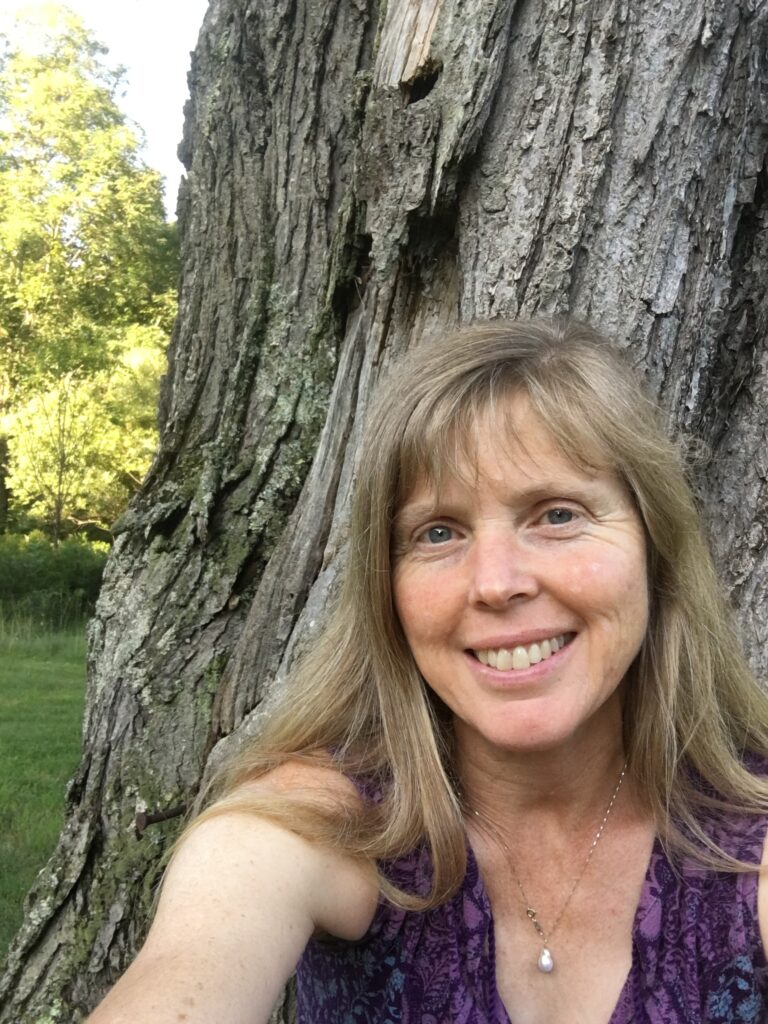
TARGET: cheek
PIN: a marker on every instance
(613, 586)
(420, 605)
(594, 579)
(422, 622)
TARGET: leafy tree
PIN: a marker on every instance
(85, 252)
(82, 232)
(80, 448)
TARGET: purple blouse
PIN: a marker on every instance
(697, 953)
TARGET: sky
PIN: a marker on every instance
(153, 40)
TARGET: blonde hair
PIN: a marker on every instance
(357, 702)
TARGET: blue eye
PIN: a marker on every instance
(438, 534)
(559, 516)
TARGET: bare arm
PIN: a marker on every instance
(239, 904)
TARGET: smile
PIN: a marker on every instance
(523, 657)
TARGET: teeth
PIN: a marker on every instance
(505, 661)
(521, 657)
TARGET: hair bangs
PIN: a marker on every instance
(441, 438)
(578, 431)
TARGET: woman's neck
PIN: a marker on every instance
(566, 785)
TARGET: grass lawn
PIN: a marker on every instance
(42, 683)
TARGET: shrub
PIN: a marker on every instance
(53, 585)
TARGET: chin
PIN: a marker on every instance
(535, 734)
(533, 744)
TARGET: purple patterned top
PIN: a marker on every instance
(697, 953)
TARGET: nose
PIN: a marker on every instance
(502, 569)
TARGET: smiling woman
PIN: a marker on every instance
(522, 773)
(521, 526)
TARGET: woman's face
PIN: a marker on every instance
(522, 590)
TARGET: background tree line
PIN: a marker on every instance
(88, 268)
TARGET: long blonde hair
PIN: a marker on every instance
(357, 702)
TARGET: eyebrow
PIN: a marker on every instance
(412, 513)
(548, 488)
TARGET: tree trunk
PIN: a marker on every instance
(360, 176)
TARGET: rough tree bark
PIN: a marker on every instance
(362, 175)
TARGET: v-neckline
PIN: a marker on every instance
(644, 905)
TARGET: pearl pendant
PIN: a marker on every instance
(546, 964)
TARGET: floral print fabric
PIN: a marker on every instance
(697, 952)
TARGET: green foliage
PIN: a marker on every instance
(83, 239)
(43, 584)
(78, 450)
(88, 268)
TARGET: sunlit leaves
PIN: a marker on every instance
(81, 446)
(87, 262)
(82, 229)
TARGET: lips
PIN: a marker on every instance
(519, 657)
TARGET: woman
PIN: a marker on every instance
(521, 776)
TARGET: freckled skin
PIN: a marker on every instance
(503, 563)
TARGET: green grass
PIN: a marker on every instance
(42, 683)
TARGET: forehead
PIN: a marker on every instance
(505, 441)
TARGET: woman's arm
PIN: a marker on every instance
(240, 901)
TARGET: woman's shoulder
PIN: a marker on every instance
(339, 891)
(241, 898)
(741, 831)
(316, 781)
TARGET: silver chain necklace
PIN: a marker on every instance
(546, 962)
